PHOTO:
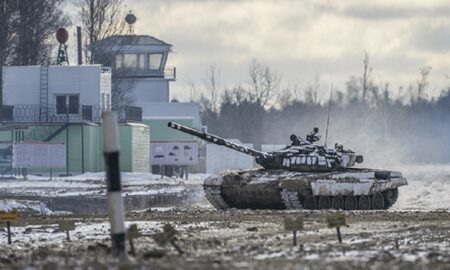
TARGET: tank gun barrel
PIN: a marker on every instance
(218, 140)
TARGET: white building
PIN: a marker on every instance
(45, 93)
(141, 61)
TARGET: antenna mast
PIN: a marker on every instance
(328, 118)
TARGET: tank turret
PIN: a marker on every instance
(300, 156)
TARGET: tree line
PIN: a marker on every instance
(364, 116)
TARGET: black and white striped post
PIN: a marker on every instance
(111, 149)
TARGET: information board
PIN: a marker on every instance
(39, 155)
(174, 153)
(8, 215)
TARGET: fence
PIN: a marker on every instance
(54, 114)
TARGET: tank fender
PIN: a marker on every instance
(385, 175)
(295, 184)
(354, 187)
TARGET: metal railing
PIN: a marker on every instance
(54, 114)
(169, 73)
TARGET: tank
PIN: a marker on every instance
(303, 175)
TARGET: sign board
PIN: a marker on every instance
(174, 153)
(8, 216)
(167, 235)
(133, 232)
(5, 154)
(293, 224)
(39, 155)
(336, 220)
(66, 225)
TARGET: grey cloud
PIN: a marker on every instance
(374, 11)
(436, 39)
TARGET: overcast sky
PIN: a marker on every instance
(301, 38)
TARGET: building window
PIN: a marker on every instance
(118, 61)
(154, 61)
(130, 60)
(67, 104)
(141, 62)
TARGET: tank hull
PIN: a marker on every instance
(350, 189)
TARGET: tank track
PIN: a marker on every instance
(214, 195)
(291, 200)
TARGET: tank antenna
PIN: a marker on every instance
(329, 110)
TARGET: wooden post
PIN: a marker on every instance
(8, 228)
(67, 225)
(132, 233)
(337, 221)
(294, 225)
(168, 236)
(8, 216)
(294, 237)
(338, 231)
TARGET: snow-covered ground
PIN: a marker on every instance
(92, 184)
(234, 239)
(36, 192)
(428, 189)
(238, 239)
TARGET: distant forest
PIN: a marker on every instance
(363, 117)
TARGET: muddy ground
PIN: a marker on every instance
(236, 239)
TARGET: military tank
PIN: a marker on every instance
(302, 175)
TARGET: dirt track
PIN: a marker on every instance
(240, 239)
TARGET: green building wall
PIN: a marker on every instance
(87, 141)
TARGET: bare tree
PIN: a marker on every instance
(34, 24)
(192, 91)
(26, 28)
(101, 19)
(6, 36)
(211, 81)
(365, 80)
(312, 91)
(422, 82)
(264, 82)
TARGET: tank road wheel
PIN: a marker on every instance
(377, 201)
(364, 202)
(390, 197)
(337, 202)
(323, 203)
(351, 203)
(310, 203)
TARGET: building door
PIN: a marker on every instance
(69, 103)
